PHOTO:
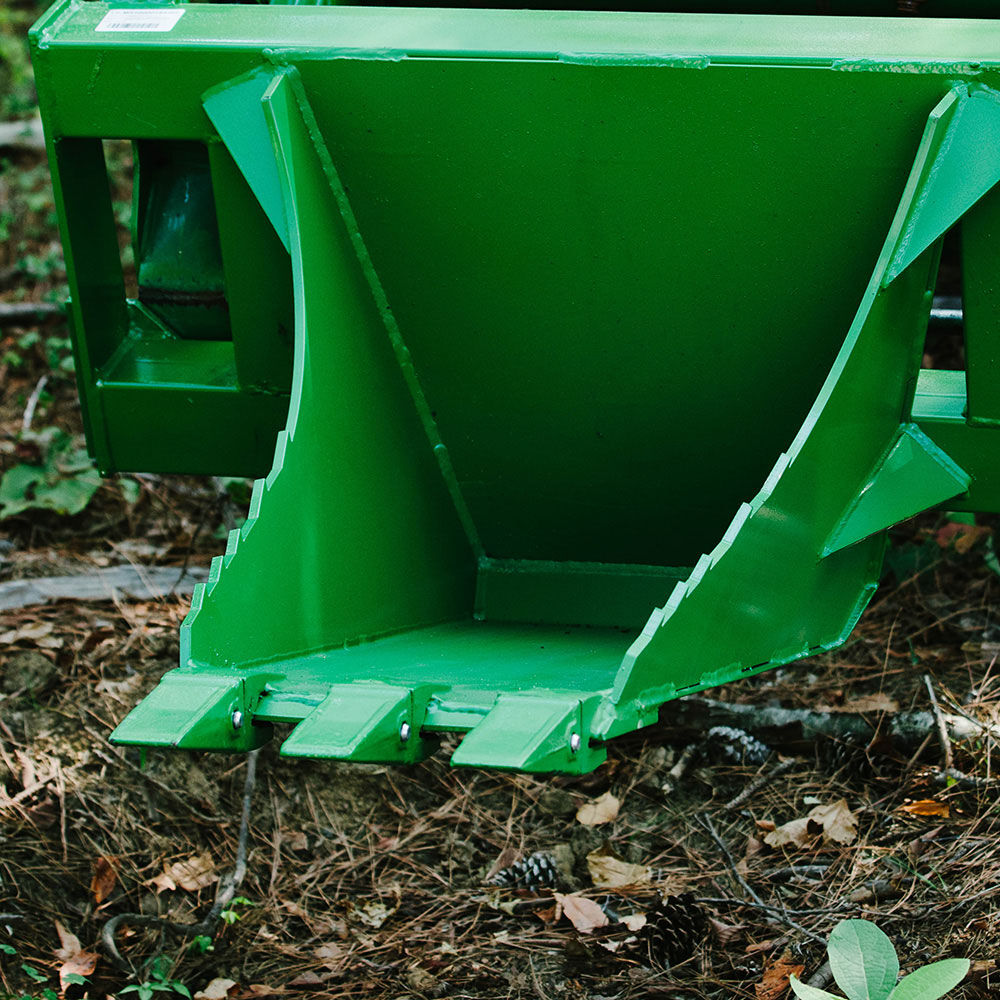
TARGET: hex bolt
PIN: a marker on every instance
(237, 719)
(574, 743)
(404, 732)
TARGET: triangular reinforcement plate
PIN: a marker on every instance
(236, 111)
(913, 475)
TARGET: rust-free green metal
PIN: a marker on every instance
(607, 334)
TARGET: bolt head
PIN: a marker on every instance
(574, 742)
(237, 719)
(404, 732)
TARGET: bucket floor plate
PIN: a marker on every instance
(468, 661)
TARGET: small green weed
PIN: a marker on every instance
(159, 981)
(62, 479)
(864, 965)
(230, 916)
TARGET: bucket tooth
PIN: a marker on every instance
(194, 712)
(369, 723)
(532, 733)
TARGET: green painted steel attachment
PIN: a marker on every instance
(583, 349)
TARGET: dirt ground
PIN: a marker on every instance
(376, 882)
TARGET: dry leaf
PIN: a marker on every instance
(867, 703)
(331, 955)
(962, 536)
(774, 983)
(217, 989)
(758, 947)
(69, 944)
(725, 933)
(634, 921)
(308, 978)
(105, 876)
(297, 840)
(420, 980)
(927, 807)
(839, 824)
(163, 883)
(797, 832)
(31, 632)
(263, 990)
(82, 963)
(609, 870)
(584, 914)
(600, 810)
(373, 914)
(834, 823)
(193, 873)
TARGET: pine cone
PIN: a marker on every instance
(727, 745)
(673, 930)
(848, 754)
(537, 871)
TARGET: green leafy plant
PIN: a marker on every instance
(864, 965)
(159, 980)
(202, 943)
(230, 916)
(63, 479)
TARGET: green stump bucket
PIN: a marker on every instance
(579, 352)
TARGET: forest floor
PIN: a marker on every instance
(366, 881)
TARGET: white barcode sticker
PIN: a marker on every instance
(147, 19)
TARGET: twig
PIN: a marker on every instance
(755, 786)
(226, 892)
(963, 780)
(32, 404)
(768, 908)
(21, 313)
(822, 977)
(779, 914)
(677, 772)
(536, 981)
(949, 761)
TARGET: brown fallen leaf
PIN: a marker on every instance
(609, 870)
(297, 840)
(833, 823)
(193, 873)
(331, 955)
(584, 914)
(69, 944)
(105, 876)
(927, 807)
(866, 703)
(725, 933)
(217, 989)
(372, 914)
(600, 810)
(308, 978)
(163, 883)
(774, 983)
(962, 536)
(74, 961)
(82, 963)
(759, 947)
